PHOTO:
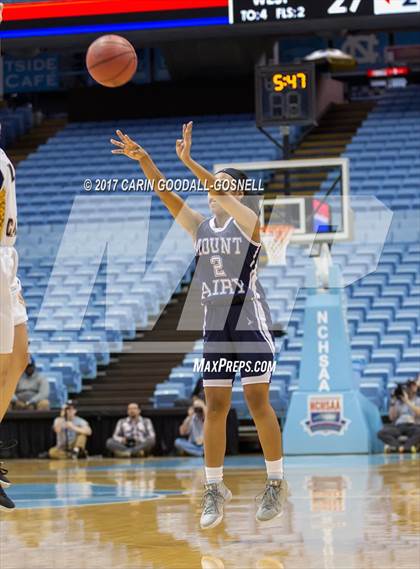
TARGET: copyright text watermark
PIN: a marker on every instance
(128, 185)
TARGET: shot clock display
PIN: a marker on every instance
(285, 95)
(294, 80)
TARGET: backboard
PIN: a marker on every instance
(311, 195)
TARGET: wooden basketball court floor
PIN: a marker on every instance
(344, 512)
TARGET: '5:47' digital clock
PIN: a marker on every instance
(285, 95)
(297, 80)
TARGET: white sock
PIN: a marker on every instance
(214, 475)
(274, 469)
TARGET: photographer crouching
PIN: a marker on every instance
(72, 432)
(404, 414)
(192, 430)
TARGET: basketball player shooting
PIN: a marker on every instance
(13, 318)
(227, 246)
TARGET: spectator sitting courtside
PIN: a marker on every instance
(134, 436)
(72, 433)
(404, 414)
(32, 391)
(193, 428)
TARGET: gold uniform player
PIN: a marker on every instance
(235, 313)
(13, 317)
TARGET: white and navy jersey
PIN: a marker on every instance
(226, 263)
(8, 209)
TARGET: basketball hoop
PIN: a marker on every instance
(276, 239)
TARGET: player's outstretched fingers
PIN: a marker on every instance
(124, 138)
(128, 140)
(188, 133)
(117, 143)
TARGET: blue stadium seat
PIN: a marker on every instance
(58, 391)
(70, 370)
(167, 394)
(374, 391)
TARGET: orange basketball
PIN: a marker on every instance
(111, 60)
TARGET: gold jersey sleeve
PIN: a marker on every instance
(8, 209)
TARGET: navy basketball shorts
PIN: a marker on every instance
(237, 340)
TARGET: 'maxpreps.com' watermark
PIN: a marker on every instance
(128, 185)
(202, 365)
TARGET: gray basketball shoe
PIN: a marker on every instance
(214, 498)
(272, 500)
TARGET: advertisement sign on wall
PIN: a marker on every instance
(40, 73)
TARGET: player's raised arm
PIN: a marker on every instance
(183, 150)
(182, 213)
(243, 215)
(1, 13)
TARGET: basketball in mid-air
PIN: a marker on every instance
(111, 60)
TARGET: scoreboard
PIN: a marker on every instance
(285, 95)
(43, 18)
(277, 11)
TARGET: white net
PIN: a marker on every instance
(276, 238)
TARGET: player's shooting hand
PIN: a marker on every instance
(128, 147)
(183, 145)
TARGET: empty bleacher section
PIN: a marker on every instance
(385, 157)
(328, 139)
(37, 134)
(133, 374)
(82, 150)
(334, 131)
(385, 153)
(14, 124)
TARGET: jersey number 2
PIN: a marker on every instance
(217, 263)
